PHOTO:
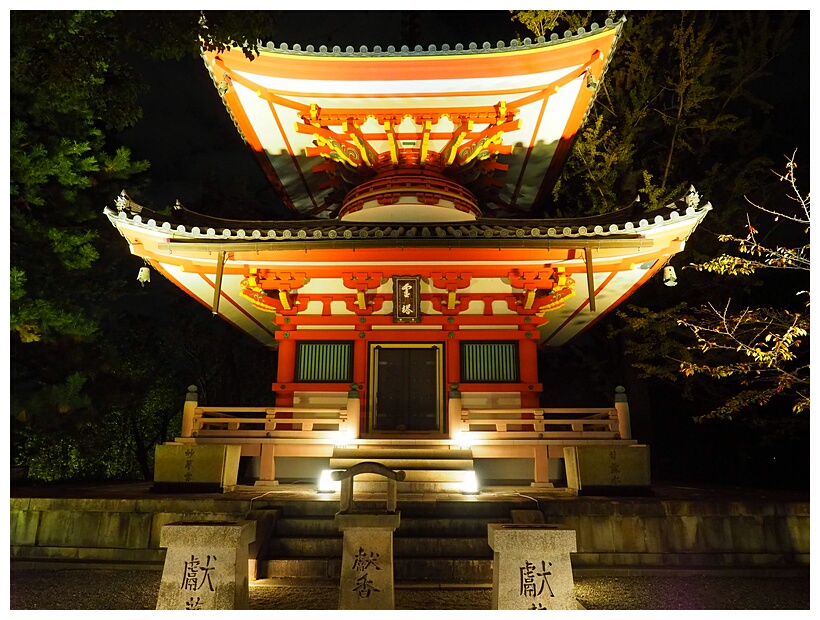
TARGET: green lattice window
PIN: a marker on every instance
(324, 361)
(489, 362)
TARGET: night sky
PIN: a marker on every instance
(188, 136)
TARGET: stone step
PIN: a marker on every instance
(406, 464)
(408, 486)
(399, 452)
(307, 547)
(441, 570)
(319, 526)
(441, 527)
(306, 526)
(441, 508)
(415, 475)
(413, 547)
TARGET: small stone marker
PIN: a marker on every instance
(198, 468)
(206, 565)
(367, 545)
(602, 469)
(531, 566)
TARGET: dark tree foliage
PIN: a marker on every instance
(95, 381)
(692, 98)
(684, 101)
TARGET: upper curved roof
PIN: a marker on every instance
(498, 119)
(185, 225)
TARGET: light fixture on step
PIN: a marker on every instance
(344, 439)
(462, 439)
(327, 484)
(470, 484)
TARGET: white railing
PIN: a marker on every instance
(324, 423)
(540, 423)
(268, 422)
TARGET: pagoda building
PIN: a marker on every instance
(409, 296)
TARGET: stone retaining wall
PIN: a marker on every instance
(114, 531)
(615, 533)
(682, 533)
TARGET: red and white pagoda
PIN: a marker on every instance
(409, 300)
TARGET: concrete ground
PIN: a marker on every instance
(87, 589)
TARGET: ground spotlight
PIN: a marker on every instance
(470, 484)
(327, 484)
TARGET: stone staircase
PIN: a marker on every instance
(436, 541)
(427, 469)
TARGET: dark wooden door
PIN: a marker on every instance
(407, 390)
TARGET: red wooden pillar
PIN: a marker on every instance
(360, 377)
(285, 373)
(286, 369)
(453, 362)
(528, 363)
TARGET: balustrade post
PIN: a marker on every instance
(188, 411)
(454, 407)
(622, 409)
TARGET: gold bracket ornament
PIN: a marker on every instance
(368, 154)
(285, 299)
(530, 298)
(450, 150)
(391, 138)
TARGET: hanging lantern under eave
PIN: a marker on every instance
(144, 275)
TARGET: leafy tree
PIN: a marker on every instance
(689, 99)
(74, 89)
(63, 98)
(759, 353)
(541, 23)
(677, 106)
(761, 345)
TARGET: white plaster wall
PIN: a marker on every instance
(320, 399)
(490, 400)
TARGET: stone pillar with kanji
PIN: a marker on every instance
(531, 566)
(206, 565)
(367, 544)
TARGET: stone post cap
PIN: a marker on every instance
(191, 395)
(517, 537)
(216, 534)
